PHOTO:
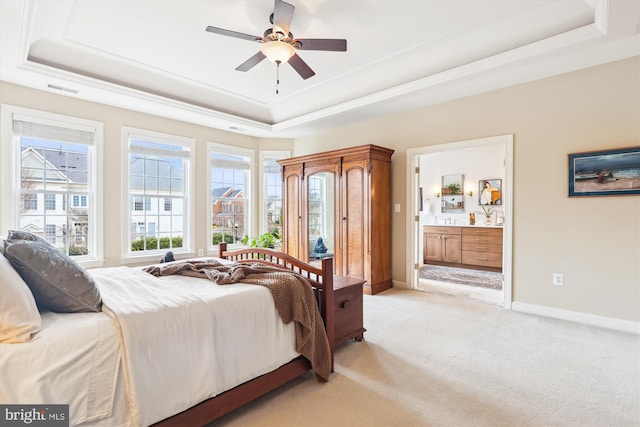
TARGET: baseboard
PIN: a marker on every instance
(575, 316)
(400, 285)
(377, 287)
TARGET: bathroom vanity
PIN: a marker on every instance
(475, 247)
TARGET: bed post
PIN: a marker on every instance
(222, 247)
(327, 282)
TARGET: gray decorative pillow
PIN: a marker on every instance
(16, 235)
(57, 282)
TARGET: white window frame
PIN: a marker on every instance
(129, 256)
(250, 225)
(10, 184)
(264, 155)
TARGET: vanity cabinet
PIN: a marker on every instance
(442, 244)
(482, 246)
(343, 196)
(470, 247)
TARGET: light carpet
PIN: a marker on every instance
(434, 360)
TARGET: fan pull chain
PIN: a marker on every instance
(277, 76)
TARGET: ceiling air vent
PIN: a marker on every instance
(64, 89)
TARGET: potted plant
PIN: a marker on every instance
(454, 188)
(266, 240)
(487, 211)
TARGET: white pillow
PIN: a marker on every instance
(19, 316)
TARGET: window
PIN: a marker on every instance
(50, 202)
(230, 185)
(52, 158)
(50, 233)
(140, 203)
(30, 202)
(159, 169)
(167, 204)
(79, 201)
(271, 174)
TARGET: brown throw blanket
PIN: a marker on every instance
(292, 295)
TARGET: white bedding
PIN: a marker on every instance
(174, 341)
(74, 360)
(187, 339)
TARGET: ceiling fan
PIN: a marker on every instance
(279, 45)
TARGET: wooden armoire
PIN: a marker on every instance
(338, 203)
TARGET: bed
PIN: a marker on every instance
(167, 350)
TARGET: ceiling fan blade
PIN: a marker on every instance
(251, 62)
(235, 34)
(301, 67)
(336, 45)
(282, 15)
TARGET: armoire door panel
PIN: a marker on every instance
(292, 216)
(354, 221)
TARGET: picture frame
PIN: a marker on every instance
(605, 173)
(490, 191)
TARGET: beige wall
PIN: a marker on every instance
(113, 119)
(595, 241)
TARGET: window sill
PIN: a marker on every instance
(153, 259)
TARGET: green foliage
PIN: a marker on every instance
(152, 243)
(266, 240)
(216, 238)
(487, 210)
(78, 250)
(455, 188)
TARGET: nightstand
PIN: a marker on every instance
(347, 303)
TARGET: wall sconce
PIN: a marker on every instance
(437, 194)
(436, 191)
(470, 194)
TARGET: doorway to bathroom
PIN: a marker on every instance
(460, 225)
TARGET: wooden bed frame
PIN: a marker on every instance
(321, 278)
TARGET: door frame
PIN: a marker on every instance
(413, 231)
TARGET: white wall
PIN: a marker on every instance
(475, 164)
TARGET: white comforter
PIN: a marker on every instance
(187, 339)
(175, 340)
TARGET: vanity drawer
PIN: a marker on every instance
(482, 247)
(486, 259)
(486, 240)
(482, 232)
(441, 230)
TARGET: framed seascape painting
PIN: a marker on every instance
(605, 173)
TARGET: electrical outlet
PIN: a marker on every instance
(397, 207)
(200, 252)
(558, 279)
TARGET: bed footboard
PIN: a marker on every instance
(321, 278)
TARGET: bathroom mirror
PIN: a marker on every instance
(452, 193)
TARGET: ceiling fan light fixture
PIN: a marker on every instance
(277, 51)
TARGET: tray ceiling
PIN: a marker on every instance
(156, 57)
